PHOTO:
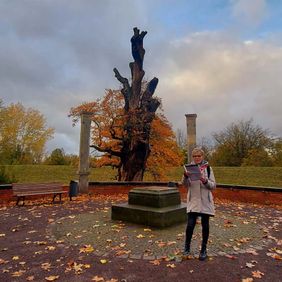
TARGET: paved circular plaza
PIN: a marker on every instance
(233, 230)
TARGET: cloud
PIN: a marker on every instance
(57, 54)
(249, 12)
(229, 81)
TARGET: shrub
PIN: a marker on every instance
(5, 178)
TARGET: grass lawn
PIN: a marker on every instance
(253, 176)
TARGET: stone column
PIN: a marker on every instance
(83, 169)
(191, 134)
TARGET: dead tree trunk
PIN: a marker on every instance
(139, 109)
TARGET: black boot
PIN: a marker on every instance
(186, 251)
(203, 254)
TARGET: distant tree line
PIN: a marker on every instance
(24, 133)
(242, 143)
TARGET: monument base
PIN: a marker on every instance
(152, 206)
(157, 217)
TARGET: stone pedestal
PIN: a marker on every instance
(84, 152)
(153, 206)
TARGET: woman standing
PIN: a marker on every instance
(199, 201)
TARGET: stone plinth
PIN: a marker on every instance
(154, 196)
(152, 206)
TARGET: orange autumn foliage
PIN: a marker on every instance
(165, 152)
(108, 133)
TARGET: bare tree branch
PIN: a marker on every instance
(106, 150)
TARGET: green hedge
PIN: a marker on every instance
(253, 176)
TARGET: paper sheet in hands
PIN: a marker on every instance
(193, 171)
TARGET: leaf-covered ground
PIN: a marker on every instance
(77, 241)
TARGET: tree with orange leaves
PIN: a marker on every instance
(108, 133)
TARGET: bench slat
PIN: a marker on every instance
(41, 193)
(45, 189)
(37, 187)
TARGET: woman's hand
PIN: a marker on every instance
(204, 180)
(186, 174)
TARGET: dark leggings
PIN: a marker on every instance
(192, 219)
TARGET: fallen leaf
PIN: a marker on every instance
(171, 265)
(27, 242)
(18, 273)
(103, 261)
(86, 249)
(46, 265)
(274, 255)
(230, 256)
(2, 235)
(122, 252)
(40, 243)
(50, 248)
(5, 270)
(52, 277)
(257, 274)
(140, 236)
(249, 279)
(30, 278)
(78, 268)
(38, 252)
(15, 257)
(244, 240)
(31, 231)
(98, 278)
(250, 265)
(169, 243)
(161, 244)
(155, 262)
(252, 251)
(2, 261)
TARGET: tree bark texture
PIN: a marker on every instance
(139, 108)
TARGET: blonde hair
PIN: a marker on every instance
(198, 150)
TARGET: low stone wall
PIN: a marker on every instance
(246, 194)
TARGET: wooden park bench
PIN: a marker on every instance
(21, 190)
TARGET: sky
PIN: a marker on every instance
(220, 59)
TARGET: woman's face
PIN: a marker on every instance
(197, 157)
